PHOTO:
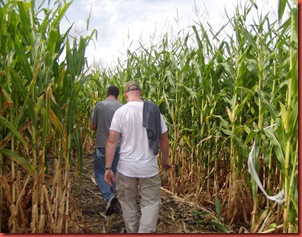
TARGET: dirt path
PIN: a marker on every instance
(176, 215)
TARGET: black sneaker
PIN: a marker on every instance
(110, 206)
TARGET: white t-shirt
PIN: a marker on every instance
(136, 157)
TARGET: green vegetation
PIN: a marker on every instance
(218, 97)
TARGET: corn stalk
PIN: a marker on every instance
(39, 96)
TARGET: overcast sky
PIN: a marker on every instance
(121, 24)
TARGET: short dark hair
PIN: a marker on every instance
(113, 90)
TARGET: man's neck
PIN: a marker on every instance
(112, 97)
(135, 100)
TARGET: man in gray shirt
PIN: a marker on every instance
(100, 121)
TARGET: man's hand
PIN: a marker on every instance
(109, 177)
(167, 164)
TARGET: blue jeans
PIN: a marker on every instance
(99, 172)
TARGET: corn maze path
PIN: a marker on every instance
(176, 215)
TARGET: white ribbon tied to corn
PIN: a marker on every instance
(279, 198)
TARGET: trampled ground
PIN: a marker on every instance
(176, 215)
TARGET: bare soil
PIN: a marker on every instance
(176, 214)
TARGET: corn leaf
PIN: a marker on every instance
(13, 130)
(20, 160)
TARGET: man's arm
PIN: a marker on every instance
(93, 125)
(94, 118)
(164, 146)
(110, 151)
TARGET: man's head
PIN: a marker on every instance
(132, 91)
(131, 86)
(113, 91)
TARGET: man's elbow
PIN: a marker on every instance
(93, 126)
(164, 138)
(113, 138)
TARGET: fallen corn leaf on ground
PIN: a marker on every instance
(176, 214)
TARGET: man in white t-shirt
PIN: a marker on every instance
(138, 168)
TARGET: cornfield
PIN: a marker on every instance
(230, 103)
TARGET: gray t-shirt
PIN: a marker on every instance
(102, 116)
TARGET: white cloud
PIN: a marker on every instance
(120, 22)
